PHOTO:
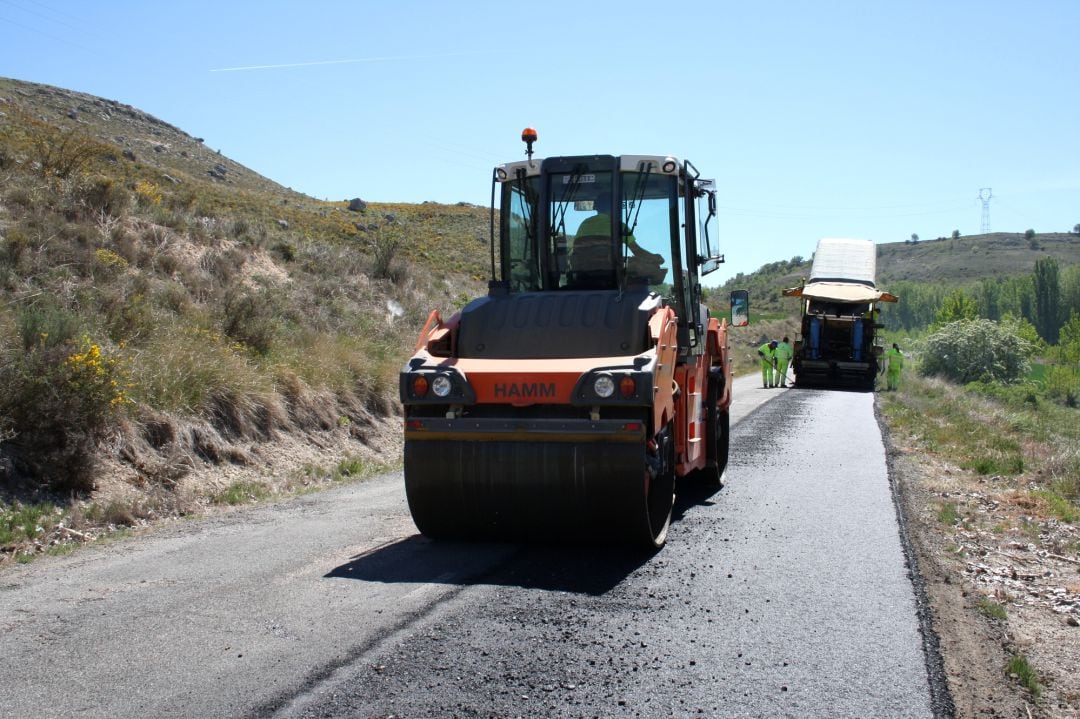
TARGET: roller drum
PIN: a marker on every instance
(518, 490)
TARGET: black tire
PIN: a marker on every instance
(659, 473)
(717, 432)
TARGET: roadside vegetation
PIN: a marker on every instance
(163, 309)
(989, 410)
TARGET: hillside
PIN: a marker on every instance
(160, 296)
(134, 145)
(966, 259)
(950, 261)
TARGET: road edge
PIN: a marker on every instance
(941, 700)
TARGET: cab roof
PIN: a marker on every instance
(661, 164)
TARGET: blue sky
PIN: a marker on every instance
(849, 119)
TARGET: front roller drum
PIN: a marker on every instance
(539, 490)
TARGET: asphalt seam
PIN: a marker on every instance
(324, 675)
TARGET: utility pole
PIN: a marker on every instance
(985, 195)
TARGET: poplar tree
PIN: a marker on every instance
(1047, 299)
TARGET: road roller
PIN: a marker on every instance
(591, 380)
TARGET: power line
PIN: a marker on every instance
(17, 6)
(52, 37)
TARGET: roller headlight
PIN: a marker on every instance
(441, 385)
(604, 386)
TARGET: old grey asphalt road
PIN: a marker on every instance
(784, 594)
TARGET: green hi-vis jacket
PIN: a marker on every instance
(895, 359)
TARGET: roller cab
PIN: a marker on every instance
(590, 379)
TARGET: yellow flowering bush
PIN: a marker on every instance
(60, 401)
(95, 377)
(112, 263)
(147, 193)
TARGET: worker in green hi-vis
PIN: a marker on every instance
(783, 353)
(895, 362)
(767, 352)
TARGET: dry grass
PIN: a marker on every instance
(990, 475)
(1030, 448)
(241, 311)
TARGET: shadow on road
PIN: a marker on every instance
(566, 567)
(582, 566)
(689, 495)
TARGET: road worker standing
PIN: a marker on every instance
(895, 362)
(767, 352)
(783, 353)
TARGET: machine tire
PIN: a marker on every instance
(718, 431)
(659, 476)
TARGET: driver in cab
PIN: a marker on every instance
(599, 227)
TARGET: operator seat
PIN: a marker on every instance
(590, 263)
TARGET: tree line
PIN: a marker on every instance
(1047, 298)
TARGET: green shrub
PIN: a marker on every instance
(383, 266)
(1007, 464)
(104, 194)
(285, 251)
(16, 243)
(352, 468)
(251, 318)
(240, 227)
(129, 317)
(975, 350)
(47, 324)
(60, 399)
(1024, 330)
(57, 151)
(22, 197)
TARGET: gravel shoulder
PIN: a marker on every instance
(966, 571)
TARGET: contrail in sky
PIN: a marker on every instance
(344, 62)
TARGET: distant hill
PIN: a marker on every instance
(951, 261)
(965, 259)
